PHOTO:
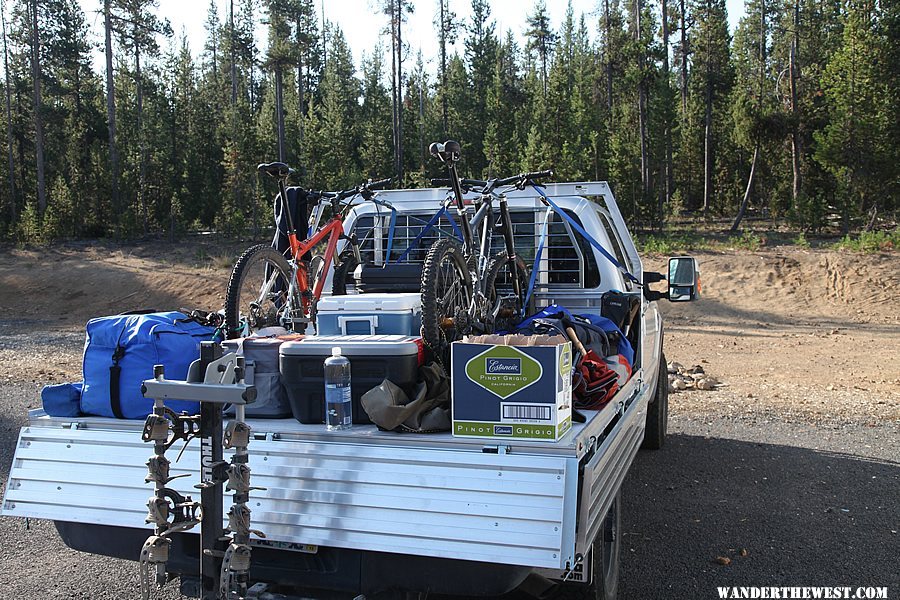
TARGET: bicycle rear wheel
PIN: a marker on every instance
(507, 307)
(257, 293)
(343, 282)
(446, 296)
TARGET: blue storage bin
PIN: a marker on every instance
(370, 314)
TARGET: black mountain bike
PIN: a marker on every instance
(467, 289)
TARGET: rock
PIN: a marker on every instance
(674, 367)
(723, 560)
(679, 384)
(707, 383)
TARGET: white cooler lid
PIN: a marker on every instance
(353, 345)
(370, 302)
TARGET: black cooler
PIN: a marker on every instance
(373, 358)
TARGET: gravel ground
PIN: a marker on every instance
(810, 505)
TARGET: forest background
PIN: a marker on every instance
(792, 118)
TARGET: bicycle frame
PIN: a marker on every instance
(484, 217)
(333, 230)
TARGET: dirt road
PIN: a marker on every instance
(795, 458)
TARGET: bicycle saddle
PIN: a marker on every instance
(278, 170)
(449, 150)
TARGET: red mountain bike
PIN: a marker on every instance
(267, 288)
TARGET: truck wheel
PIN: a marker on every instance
(604, 561)
(658, 410)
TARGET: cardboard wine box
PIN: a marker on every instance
(512, 391)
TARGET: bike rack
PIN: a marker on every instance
(225, 552)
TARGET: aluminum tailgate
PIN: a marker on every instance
(437, 498)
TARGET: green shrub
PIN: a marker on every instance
(871, 241)
(747, 241)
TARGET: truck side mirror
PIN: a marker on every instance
(684, 279)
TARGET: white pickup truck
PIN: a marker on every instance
(370, 513)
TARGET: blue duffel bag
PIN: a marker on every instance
(120, 351)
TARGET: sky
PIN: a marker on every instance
(362, 25)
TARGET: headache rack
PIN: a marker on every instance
(566, 262)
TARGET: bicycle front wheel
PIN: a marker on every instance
(446, 296)
(257, 293)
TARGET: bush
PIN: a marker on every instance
(871, 241)
(747, 241)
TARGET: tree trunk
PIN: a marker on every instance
(38, 117)
(743, 209)
(13, 213)
(443, 42)
(142, 146)
(231, 52)
(111, 115)
(666, 197)
(279, 110)
(399, 92)
(707, 124)
(642, 104)
(609, 72)
(707, 151)
(301, 56)
(684, 61)
(422, 150)
(795, 113)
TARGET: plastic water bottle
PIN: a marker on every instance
(338, 405)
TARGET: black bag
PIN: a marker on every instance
(620, 308)
(393, 278)
(297, 200)
(593, 338)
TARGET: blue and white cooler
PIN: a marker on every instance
(370, 314)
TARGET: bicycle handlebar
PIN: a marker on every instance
(490, 185)
(377, 185)
(369, 186)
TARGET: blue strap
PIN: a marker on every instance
(537, 257)
(391, 226)
(428, 227)
(456, 229)
(586, 235)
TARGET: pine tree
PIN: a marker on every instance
(855, 146)
(481, 47)
(505, 99)
(712, 78)
(375, 119)
(338, 117)
(12, 200)
(541, 38)
(446, 26)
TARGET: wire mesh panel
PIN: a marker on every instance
(566, 261)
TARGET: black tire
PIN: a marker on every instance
(343, 282)
(604, 559)
(658, 410)
(315, 270)
(498, 278)
(446, 296)
(256, 266)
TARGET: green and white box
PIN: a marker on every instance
(512, 392)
